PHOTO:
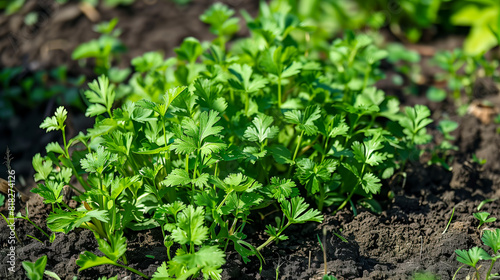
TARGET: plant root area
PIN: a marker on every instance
(409, 236)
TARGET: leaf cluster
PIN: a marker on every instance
(206, 141)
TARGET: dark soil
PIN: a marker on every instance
(408, 237)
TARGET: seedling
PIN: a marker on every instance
(36, 270)
(491, 238)
(480, 161)
(441, 153)
(461, 71)
(483, 218)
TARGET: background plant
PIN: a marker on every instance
(104, 50)
(23, 89)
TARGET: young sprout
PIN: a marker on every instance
(483, 218)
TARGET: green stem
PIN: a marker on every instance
(295, 153)
(279, 92)
(247, 102)
(66, 154)
(352, 55)
(193, 190)
(271, 239)
(78, 177)
(164, 132)
(222, 41)
(365, 80)
(224, 200)
(489, 270)
(321, 198)
(216, 169)
(347, 199)
(75, 189)
(37, 227)
(66, 148)
(298, 146)
(169, 162)
(168, 253)
(324, 148)
(124, 259)
(352, 192)
(231, 230)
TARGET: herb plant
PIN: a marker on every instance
(206, 140)
(104, 49)
(461, 71)
(491, 238)
(441, 154)
(483, 218)
(36, 270)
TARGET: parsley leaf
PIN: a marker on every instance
(295, 211)
(196, 135)
(102, 95)
(57, 121)
(305, 120)
(261, 129)
(190, 226)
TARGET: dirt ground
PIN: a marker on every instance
(406, 238)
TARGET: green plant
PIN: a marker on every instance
(449, 221)
(461, 71)
(485, 32)
(326, 18)
(441, 152)
(104, 50)
(406, 63)
(31, 19)
(22, 90)
(480, 161)
(452, 62)
(36, 270)
(221, 22)
(27, 218)
(11, 7)
(483, 218)
(406, 19)
(207, 139)
(471, 257)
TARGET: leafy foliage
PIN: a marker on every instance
(206, 138)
